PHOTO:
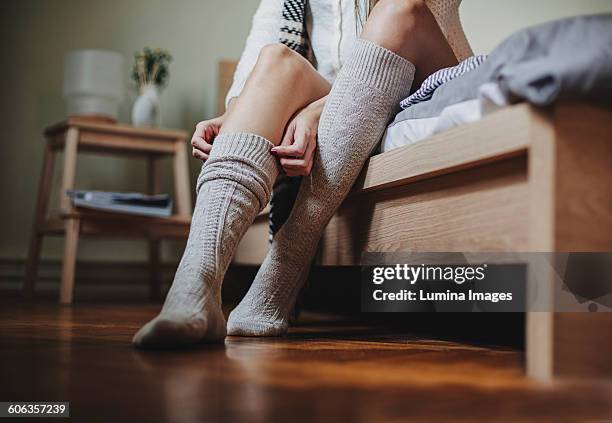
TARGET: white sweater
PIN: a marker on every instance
(332, 28)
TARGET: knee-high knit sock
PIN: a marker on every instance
(233, 187)
(361, 102)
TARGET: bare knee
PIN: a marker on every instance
(278, 57)
(394, 9)
(394, 24)
(276, 52)
(398, 15)
(279, 66)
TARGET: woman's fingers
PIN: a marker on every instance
(200, 144)
(199, 154)
(288, 136)
(200, 129)
(208, 129)
(293, 164)
(298, 147)
(298, 167)
(296, 159)
(298, 163)
(211, 132)
(200, 141)
(203, 136)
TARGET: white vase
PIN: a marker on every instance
(146, 107)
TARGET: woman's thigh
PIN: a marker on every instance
(281, 83)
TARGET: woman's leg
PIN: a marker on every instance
(233, 187)
(363, 98)
(281, 83)
(414, 34)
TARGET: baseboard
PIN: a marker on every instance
(330, 288)
(13, 270)
(114, 274)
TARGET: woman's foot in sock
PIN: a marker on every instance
(250, 326)
(192, 310)
(250, 323)
(180, 327)
(233, 187)
(266, 307)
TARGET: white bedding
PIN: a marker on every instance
(410, 131)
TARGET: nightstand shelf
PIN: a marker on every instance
(73, 136)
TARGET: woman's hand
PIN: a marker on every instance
(204, 135)
(297, 148)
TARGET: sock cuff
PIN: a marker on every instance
(244, 146)
(380, 68)
(244, 158)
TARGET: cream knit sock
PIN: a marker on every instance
(361, 102)
(233, 187)
(446, 13)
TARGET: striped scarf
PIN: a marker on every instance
(293, 26)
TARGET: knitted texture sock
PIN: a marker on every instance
(446, 13)
(233, 187)
(361, 102)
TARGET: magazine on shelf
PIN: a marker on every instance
(135, 203)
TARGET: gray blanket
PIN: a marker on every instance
(565, 59)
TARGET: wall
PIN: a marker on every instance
(37, 33)
(488, 22)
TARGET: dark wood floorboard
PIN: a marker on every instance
(322, 371)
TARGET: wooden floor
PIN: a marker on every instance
(323, 371)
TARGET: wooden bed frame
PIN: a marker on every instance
(520, 180)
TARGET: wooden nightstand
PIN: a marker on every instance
(79, 135)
